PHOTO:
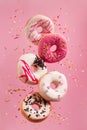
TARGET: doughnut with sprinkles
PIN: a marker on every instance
(31, 113)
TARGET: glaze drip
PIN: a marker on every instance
(27, 72)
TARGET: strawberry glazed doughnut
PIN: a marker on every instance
(24, 65)
(37, 26)
(45, 86)
(45, 45)
(30, 112)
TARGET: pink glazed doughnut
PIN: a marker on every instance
(46, 44)
(35, 23)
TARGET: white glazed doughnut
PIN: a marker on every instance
(24, 65)
(32, 113)
(45, 89)
(38, 22)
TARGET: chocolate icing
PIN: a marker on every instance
(39, 62)
(32, 99)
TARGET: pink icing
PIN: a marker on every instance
(28, 72)
(47, 42)
(45, 24)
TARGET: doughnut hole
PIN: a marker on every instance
(33, 68)
(35, 106)
(53, 48)
(54, 85)
(39, 29)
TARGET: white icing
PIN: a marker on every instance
(29, 59)
(33, 114)
(49, 93)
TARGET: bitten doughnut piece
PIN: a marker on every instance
(31, 113)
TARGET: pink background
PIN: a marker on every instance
(70, 18)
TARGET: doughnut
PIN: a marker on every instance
(32, 113)
(49, 41)
(45, 86)
(37, 26)
(25, 72)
